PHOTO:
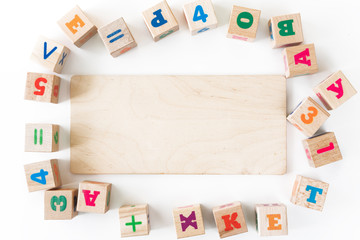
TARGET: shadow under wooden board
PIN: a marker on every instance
(178, 124)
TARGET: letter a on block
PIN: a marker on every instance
(337, 89)
(159, 20)
(301, 57)
(273, 221)
(230, 222)
(313, 192)
(188, 221)
(90, 198)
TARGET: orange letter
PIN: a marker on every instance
(273, 219)
(75, 23)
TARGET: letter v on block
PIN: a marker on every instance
(90, 198)
(188, 221)
(48, 54)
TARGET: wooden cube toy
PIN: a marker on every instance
(309, 193)
(286, 30)
(42, 175)
(271, 219)
(200, 16)
(300, 60)
(230, 219)
(94, 197)
(188, 221)
(77, 26)
(243, 23)
(308, 116)
(335, 90)
(117, 37)
(42, 87)
(160, 21)
(41, 138)
(134, 220)
(60, 204)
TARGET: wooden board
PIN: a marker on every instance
(178, 124)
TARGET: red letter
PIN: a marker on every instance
(301, 57)
(40, 88)
(229, 222)
(90, 198)
(339, 89)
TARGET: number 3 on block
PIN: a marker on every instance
(310, 116)
(199, 14)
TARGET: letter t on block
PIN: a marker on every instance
(188, 221)
(271, 219)
(94, 197)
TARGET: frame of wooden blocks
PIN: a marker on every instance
(117, 37)
(271, 219)
(286, 30)
(335, 90)
(77, 26)
(230, 219)
(134, 220)
(160, 21)
(94, 197)
(200, 16)
(308, 116)
(41, 137)
(42, 87)
(188, 221)
(42, 175)
(60, 204)
(309, 193)
(243, 23)
(50, 54)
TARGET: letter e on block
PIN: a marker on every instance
(271, 219)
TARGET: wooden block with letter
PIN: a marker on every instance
(41, 138)
(60, 204)
(94, 197)
(134, 220)
(42, 87)
(243, 23)
(188, 221)
(200, 16)
(271, 219)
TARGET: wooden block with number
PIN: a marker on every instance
(41, 137)
(42, 87)
(160, 21)
(134, 220)
(309, 193)
(60, 204)
(188, 221)
(271, 219)
(335, 90)
(77, 26)
(117, 37)
(42, 175)
(308, 116)
(94, 197)
(243, 23)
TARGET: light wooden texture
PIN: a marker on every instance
(109, 35)
(42, 87)
(335, 90)
(134, 220)
(308, 116)
(77, 26)
(188, 221)
(246, 32)
(41, 137)
(271, 219)
(60, 204)
(178, 124)
(94, 197)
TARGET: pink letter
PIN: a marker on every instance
(301, 57)
(339, 89)
(90, 198)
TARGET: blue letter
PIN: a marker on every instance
(313, 192)
(158, 20)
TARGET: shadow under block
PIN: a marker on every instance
(94, 197)
(200, 16)
(271, 219)
(308, 116)
(117, 37)
(60, 204)
(230, 219)
(134, 220)
(160, 21)
(243, 23)
(188, 221)
(309, 193)
(41, 137)
(77, 26)
(42, 175)
(335, 90)
(178, 124)
(42, 87)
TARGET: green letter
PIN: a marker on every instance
(286, 28)
(248, 17)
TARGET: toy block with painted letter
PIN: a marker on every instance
(42, 87)
(42, 175)
(230, 219)
(60, 204)
(117, 37)
(271, 219)
(94, 197)
(134, 220)
(77, 26)
(309, 193)
(335, 90)
(188, 221)
(160, 21)
(243, 23)
(41, 138)
(308, 116)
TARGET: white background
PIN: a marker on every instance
(331, 24)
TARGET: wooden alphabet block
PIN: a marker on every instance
(117, 37)
(243, 23)
(230, 219)
(60, 204)
(134, 220)
(94, 197)
(50, 54)
(42, 87)
(160, 21)
(308, 116)
(42, 175)
(188, 221)
(309, 193)
(286, 30)
(200, 16)
(335, 90)
(41, 138)
(77, 26)
(271, 219)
